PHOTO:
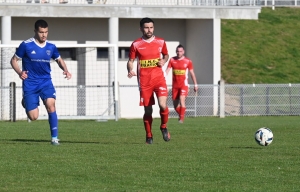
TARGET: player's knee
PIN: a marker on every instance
(148, 111)
(164, 108)
(51, 110)
(33, 114)
(33, 117)
(162, 105)
(50, 105)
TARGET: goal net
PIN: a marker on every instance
(91, 93)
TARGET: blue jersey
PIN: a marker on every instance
(36, 58)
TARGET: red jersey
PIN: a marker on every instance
(180, 71)
(148, 55)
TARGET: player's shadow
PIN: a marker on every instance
(31, 141)
(47, 141)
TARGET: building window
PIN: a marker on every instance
(102, 53)
(123, 53)
(67, 53)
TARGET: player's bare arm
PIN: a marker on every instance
(15, 66)
(61, 63)
(168, 70)
(131, 73)
(162, 61)
(194, 80)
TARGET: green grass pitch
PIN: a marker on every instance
(204, 154)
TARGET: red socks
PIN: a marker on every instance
(164, 115)
(148, 121)
(177, 109)
(182, 113)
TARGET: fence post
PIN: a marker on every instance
(222, 98)
(195, 104)
(242, 100)
(290, 98)
(116, 104)
(268, 100)
(12, 101)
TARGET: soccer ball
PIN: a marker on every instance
(263, 136)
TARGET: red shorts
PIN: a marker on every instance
(146, 94)
(177, 92)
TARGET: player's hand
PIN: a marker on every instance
(67, 74)
(195, 88)
(161, 63)
(131, 74)
(23, 75)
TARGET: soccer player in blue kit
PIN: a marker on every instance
(36, 54)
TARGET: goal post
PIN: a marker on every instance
(91, 93)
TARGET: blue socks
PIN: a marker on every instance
(53, 121)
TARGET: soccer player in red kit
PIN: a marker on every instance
(148, 50)
(181, 66)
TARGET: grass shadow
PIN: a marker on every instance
(246, 147)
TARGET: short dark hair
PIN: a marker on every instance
(40, 23)
(145, 20)
(180, 46)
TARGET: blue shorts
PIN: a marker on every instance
(35, 89)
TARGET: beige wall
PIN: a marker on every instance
(203, 48)
(95, 29)
(63, 29)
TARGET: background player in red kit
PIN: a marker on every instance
(151, 79)
(181, 66)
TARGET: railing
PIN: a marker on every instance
(144, 2)
(210, 100)
(262, 99)
(243, 100)
(266, 3)
(280, 3)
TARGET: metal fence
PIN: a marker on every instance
(216, 100)
(243, 100)
(263, 3)
(204, 102)
(278, 3)
(262, 99)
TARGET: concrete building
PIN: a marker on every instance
(198, 28)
